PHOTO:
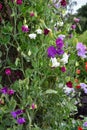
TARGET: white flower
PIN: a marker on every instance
(55, 63)
(65, 58)
(39, 31)
(68, 90)
(32, 36)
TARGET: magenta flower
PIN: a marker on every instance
(1, 6)
(63, 69)
(59, 43)
(8, 71)
(81, 50)
(21, 120)
(10, 92)
(51, 52)
(73, 26)
(19, 2)
(25, 28)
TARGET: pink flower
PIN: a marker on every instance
(32, 14)
(76, 20)
(8, 71)
(19, 2)
(33, 106)
(73, 26)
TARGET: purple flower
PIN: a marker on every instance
(85, 124)
(13, 113)
(25, 28)
(81, 49)
(85, 90)
(21, 120)
(84, 87)
(60, 51)
(4, 90)
(59, 43)
(16, 113)
(73, 26)
(51, 52)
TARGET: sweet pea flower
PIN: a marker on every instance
(4, 90)
(61, 36)
(85, 124)
(10, 92)
(32, 36)
(81, 50)
(73, 26)
(33, 106)
(68, 90)
(51, 52)
(46, 31)
(63, 69)
(84, 87)
(25, 28)
(55, 63)
(8, 71)
(39, 31)
(76, 20)
(69, 84)
(63, 3)
(59, 43)
(32, 14)
(60, 51)
(19, 2)
(16, 113)
(21, 120)
(65, 58)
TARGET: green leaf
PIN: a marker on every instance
(51, 91)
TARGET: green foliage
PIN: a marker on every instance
(38, 86)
